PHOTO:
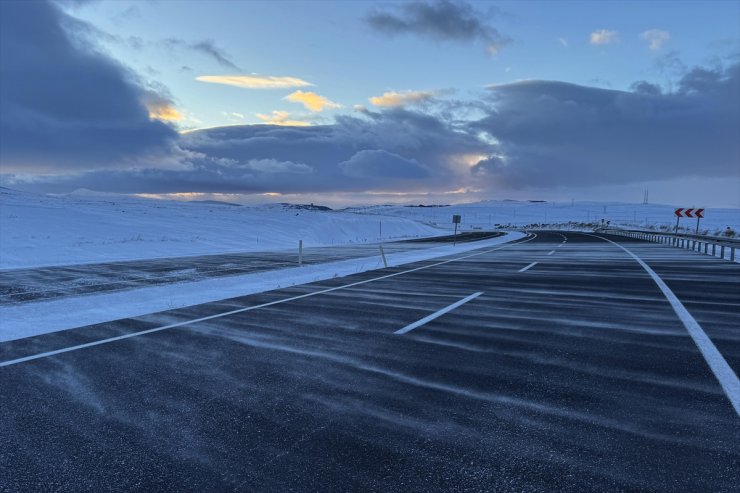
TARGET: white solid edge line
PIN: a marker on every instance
(246, 309)
(717, 363)
(524, 269)
(437, 314)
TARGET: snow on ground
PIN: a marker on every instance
(41, 230)
(31, 319)
(578, 215)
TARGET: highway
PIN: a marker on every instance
(566, 361)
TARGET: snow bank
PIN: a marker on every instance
(31, 319)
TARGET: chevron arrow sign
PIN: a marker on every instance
(689, 212)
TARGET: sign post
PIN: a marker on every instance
(699, 213)
(678, 213)
(456, 220)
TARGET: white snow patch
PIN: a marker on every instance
(31, 319)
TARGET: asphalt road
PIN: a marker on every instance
(54, 282)
(560, 366)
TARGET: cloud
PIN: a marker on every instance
(161, 108)
(281, 118)
(65, 105)
(572, 135)
(604, 37)
(563, 42)
(254, 81)
(233, 117)
(311, 101)
(71, 117)
(441, 20)
(406, 152)
(393, 98)
(379, 163)
(655, 38)
(274, 166)
(206, 47)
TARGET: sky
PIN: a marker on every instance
(348, 103)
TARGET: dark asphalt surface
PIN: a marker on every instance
(575, 375)
(45, 283)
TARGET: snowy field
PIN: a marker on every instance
(42, 230)
(571, 215)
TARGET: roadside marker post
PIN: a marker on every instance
(300, 253)
(382, 255)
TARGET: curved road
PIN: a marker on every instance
(555, 363)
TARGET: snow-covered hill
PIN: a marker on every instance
(53, 230)
(85, 227)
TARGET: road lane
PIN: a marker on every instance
(573, 375)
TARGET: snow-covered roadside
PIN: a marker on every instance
(42, 230)
(51, 316)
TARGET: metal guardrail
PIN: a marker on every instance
(723, 248)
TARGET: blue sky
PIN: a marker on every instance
(329, 45)
(474, 100)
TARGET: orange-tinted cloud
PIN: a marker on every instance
(392, 98)
(164, 112)
(311, 101)
(281, 118)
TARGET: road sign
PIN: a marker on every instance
(456, 220)
(691, 212)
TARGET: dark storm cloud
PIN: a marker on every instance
(63, 106)
(379, 163)
(558, 134)
(396, 150)
(443, 20)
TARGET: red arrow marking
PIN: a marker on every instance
(688, 212)
(678, 212)
(699, 213)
